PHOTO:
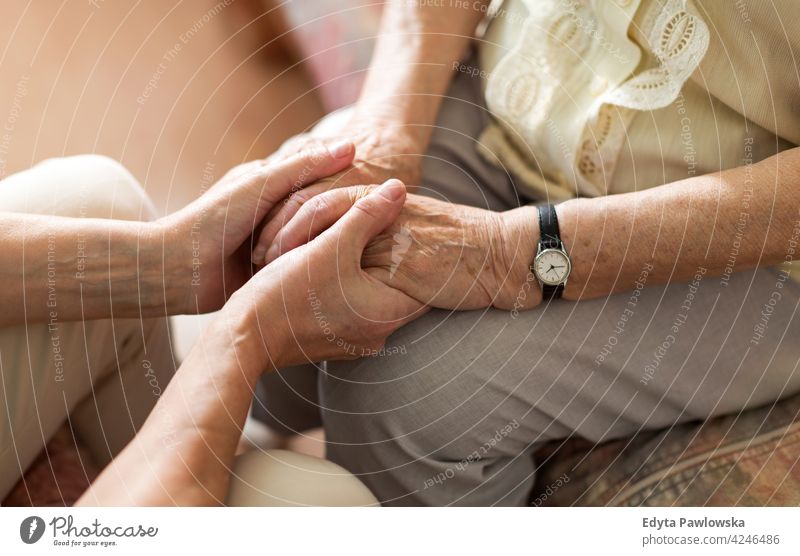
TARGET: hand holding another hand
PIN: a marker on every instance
(208, 242)
(316, 302)
(381, 153)
(442, 254)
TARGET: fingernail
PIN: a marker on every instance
(341, 149)
(258, 255)
(272, 253)
(391, 190)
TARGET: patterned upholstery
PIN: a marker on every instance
(58, 477)
(750, 459)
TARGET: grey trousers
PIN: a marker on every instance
(454, 410)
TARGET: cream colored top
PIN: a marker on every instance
(598, 96)
(593, 97)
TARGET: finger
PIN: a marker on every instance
(269, 183)
(309, 166)
(313, 218)
(406, 307)
(368, 217)
(280, 215)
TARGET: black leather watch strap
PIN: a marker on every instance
(552, 292)
(550, 238)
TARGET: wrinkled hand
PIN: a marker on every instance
(316, 302)
(212, 235)
(442, 254)
(382, 153)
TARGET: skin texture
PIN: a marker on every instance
(445, 255)
(465, 258)
(681, 226)
(480, 256)
(269, 320)
(212, 235)
(184, 452)
(392, 122)
(382, 153)
(676, 228)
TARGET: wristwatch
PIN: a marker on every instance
(552, 264)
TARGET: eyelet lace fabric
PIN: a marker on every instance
(564, 95)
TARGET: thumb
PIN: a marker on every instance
(262, 184)
(370, 215)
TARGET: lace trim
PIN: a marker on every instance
(679, 40)
(528, 82)
(601, 143)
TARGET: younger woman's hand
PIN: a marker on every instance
(316, 302)
(212, 237)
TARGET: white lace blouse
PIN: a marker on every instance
(592, 97)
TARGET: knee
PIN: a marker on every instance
(425, 435)
(409, 405)
(107, 189)
(398, 398)
(90, 185)
(432, 407)
(283, 478)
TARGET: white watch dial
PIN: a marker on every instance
(552, 266)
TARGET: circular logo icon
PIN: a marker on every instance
(31, 529)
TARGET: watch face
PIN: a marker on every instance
(551, 266)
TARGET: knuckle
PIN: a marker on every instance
(297, 199)
(319, 205)
(360, 191)
(367, 206)
(314, 153)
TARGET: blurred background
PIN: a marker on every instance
(177, 90)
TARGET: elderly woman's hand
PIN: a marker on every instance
(442, 254)
(209, 240)
(382, 152)
(316, 302)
